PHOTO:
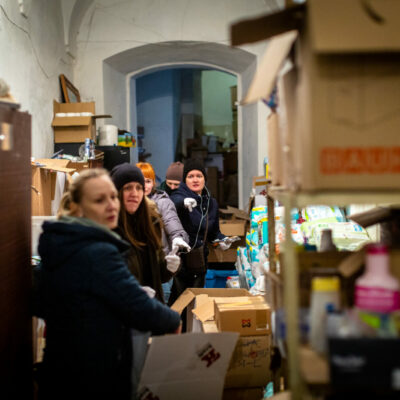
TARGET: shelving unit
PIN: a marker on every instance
(289, 200)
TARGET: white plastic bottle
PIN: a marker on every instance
(377, 290)
(324, 291)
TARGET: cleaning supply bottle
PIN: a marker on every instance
(324, 291)
(377, 290)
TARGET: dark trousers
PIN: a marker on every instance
(183, 280)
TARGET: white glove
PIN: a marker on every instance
(179, 243)
(149, 291)
(172, 262)
(224, 245)
(190, 203)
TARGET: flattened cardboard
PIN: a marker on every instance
(188, 366)
(218, 255)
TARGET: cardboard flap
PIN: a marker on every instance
(257, 29)
(73, 107)
(205, 311)
(342, 26)
(71, 121)
(102, 116)
(53, 164)
(183, 301)
(273, 59)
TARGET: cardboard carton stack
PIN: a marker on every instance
(234, 223)
(74, 122)
(234, 310)
(336, 126)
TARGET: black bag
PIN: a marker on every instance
(195, 261)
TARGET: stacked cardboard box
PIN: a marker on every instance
(74, 128)
(234, 225)
(338, 89)
(234, 310)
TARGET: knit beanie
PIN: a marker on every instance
(191, 164)
(175, 171)
(124, 173)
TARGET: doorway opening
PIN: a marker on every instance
(189, 112)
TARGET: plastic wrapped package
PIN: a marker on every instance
(346, 235)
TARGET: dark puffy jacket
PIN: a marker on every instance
(89, 300)
(172, 225)
(194, 223)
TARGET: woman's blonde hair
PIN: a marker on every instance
(74, 193)
(142, 228)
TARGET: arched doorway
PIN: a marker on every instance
(119, 94)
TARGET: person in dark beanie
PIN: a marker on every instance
(140, 224)
(199, 215)
(173, 177)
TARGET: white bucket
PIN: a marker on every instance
(108, 135)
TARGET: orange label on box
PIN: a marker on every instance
(360, 160)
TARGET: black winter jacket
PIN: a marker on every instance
(89, 300)
(194, 223)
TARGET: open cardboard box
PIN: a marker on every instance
(44, 175)
(340, 83)
(74, 129)
(249, 366)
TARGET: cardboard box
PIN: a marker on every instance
(249, 315)
(74, 129)
(250, 362)
(344, 82)
(232, 227)
(194, 297)
(217, 255)
(44, 174)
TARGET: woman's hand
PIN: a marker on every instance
(189, 203)
(179, 243)
(173, 262)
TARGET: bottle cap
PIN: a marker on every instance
(325, 284)
(377, 248)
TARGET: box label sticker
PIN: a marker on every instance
(360, 160)
(246, 323)
(209, 355)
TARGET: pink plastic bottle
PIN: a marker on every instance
(377, 290)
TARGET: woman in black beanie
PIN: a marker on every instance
(199, 215)
(140, 224)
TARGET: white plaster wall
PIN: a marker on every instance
(112, 26)
(32, 57)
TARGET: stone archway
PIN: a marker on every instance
(120, 68)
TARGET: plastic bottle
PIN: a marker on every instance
(377, 290)
(324, 291)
